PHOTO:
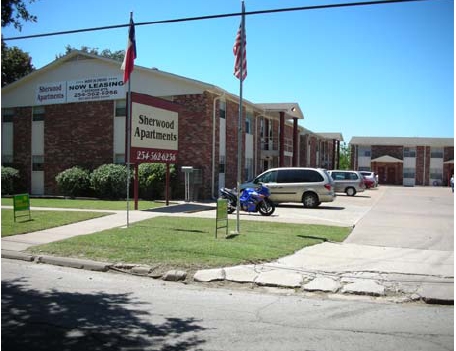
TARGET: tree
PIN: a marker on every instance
(114, 55)
(13, 11)
(15, 62)
(344, 156)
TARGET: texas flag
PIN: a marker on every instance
(130, 54)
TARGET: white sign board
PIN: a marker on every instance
(85, 89)
(154, 130)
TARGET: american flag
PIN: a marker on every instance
(239, 51)
(130, 54)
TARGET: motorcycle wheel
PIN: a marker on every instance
(266, 207)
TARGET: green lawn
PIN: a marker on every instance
(190, 242)
(87, 204)
(42, 220)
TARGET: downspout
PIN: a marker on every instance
(424, 167)
(214, 197)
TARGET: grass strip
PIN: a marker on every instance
(88, 204)
(42, 220)
(190, 242)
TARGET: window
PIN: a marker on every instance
(269, 177)
(299, 176)
(249, 123)
(249, 168)
(364, 151)
(409, 173)
(37, 163)
(222, 109)
(38, 113)
(119, 159)
(436, 173)
(7, 115)
(121, 108)
(436, 152)
(344, 176)
(7, 136)
(409, 152)
(312, 176)
(222, 163)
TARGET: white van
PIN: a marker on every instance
(311, 186)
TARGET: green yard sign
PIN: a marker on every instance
(21, 203)
(222, 216)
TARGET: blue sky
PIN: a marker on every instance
(383, 70)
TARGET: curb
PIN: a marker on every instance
(220, 274)
(140, 270)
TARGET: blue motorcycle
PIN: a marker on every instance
(251, 200)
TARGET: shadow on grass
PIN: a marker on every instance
(312, 237)
(54, 320)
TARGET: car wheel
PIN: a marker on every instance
(310, 200)
(350, 191)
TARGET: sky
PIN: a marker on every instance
(377, 70)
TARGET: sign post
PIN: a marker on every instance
(222, 216)
(153, 133)
(21, 203)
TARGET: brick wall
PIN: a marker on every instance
(22, 150)
(195, 138)
(76, 134)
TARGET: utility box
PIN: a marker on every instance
(188, 170)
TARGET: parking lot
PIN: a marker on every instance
(389, 216)
(344, 211)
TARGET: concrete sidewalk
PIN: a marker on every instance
(399, 274)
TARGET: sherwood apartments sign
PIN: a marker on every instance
(80, 90)
(154, 130)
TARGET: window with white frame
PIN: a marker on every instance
(364, 151)
(222, 109)
(409, 152)
(7, 135)
(409, 173)
(436, 152)
(249, 123)
(119, 131)
(38, 114)
(249, 169)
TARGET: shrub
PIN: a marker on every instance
(9, 177)
(109, 181)
(74, 182)
(152, 180)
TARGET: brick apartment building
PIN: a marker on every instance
(405, 161)
(72, 112)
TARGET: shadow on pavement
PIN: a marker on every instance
(54, 320)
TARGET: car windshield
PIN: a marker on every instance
(269, 177)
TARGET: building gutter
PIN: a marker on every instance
(214, 119)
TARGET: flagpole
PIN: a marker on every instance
(128, 140)
(239, 146)
(128, 149)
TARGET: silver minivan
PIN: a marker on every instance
(349, 182)
(311, 186)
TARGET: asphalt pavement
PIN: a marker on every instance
(401, 247)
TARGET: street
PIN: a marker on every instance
(47, 307)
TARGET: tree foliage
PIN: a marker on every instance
(345, 156)
(15, 62)
(15, 11)
(114, 55)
